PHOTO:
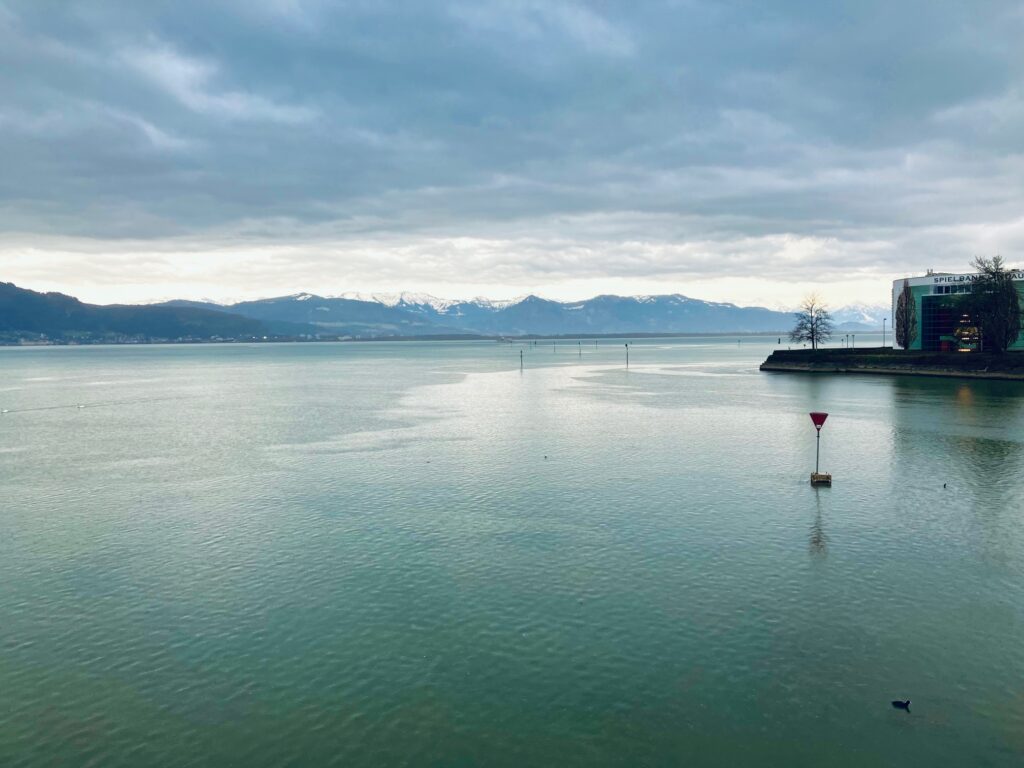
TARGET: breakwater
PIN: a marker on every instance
(887, 361)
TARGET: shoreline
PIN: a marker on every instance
(365, 339)
(889, 362)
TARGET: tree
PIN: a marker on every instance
(994, 304)
(813, 322)
(906, 317)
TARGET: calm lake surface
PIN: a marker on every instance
(415, 554)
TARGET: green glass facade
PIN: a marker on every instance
(941, 322)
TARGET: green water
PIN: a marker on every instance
(415, 554)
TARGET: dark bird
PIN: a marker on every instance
(902, 704)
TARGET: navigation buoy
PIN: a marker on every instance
(818, 477)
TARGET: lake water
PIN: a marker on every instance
(417, 554)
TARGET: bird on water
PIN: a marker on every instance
(905, 705)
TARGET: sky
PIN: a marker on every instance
(732, 151)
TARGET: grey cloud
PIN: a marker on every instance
(545, 23)
(366, 140)
(189, 81)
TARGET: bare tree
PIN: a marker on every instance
(906, 317)
(813, 322)
(994, 304)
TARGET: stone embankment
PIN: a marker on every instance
(975, 365)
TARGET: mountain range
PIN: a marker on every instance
(28, 315)
(356, 315)
(417, 314)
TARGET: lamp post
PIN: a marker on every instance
(883, 331)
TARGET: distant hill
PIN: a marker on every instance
(305, 313)
(29, 314)
(420, 315)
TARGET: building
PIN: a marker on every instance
(937, 314)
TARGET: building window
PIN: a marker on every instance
(945, 327)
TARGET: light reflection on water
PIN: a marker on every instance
(384, 553)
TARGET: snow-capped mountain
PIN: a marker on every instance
(860, 317)
(420, 314)
(404, 299)
(417, 314)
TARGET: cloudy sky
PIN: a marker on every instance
(742, 151)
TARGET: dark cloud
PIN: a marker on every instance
(508, 143)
